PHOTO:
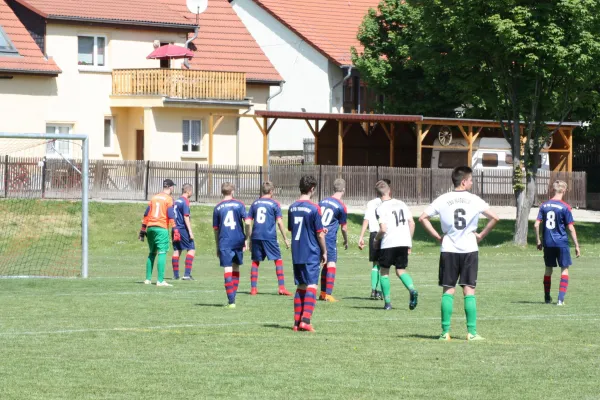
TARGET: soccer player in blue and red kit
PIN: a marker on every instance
(266, 214)
(183, 237)
(556, 217)
(334, 215)
(229, 218)
(308, 251)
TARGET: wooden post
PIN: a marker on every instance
(211, 129)
(265, 145)
(392, 144)
(419, 144)
(317, 142)
(470, 152)
(570, 156)
(340, 143)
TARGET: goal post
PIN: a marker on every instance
(19, 144)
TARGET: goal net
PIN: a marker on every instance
(42, 181)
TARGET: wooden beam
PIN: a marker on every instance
(218, 122)
(340, 143)
(565, 138)
(462, 130)
(477, 134)
(420, 138)
(259, 125)
(469, 138)
(211, 141)
(428, 146)
(265, 131)
(313, 130)
(347, 129)
(387, 131)
(424, 134)
(392, 144)
(317, 142)
(570, 156)
(271, 126)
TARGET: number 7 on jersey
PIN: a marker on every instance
(298, 221)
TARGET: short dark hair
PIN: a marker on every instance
(186, 187)
(459, 174)
(307, 182)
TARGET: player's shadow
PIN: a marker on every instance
(278, 326)
(209, 305)
(374, 307)
(261, 293)
(528, 302)
(358, 298)
(418, 336)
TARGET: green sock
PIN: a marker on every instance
(149, 266)
(407, 280)
(374, 277)
(385, 287)
(162, 262)
(447, 305)
(471, 314)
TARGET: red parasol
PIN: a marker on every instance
(169, 52)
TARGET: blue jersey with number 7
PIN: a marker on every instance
(555, 217)
(304, 221)
(228, 219)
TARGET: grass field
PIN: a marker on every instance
(111, 337)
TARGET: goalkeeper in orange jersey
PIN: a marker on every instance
(159, 216)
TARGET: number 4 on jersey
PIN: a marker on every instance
(399, 218)
(229, 220)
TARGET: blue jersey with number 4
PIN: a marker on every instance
(334, 215)
(304, 221)
(555, 216)
(228, 219)
(182, 210)
(265, 212)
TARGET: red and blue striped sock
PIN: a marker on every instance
(175, 262)
(254, 274)
(279, 272)
(330, 280)
(229, 289)
(236, 280)
(189, 260)
(310, 300)
(547, 284)
(298, 303)
(323, 279)
(564, 284)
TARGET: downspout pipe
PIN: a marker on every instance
(348, 75)
(186, 62)
(268, 109)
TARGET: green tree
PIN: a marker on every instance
(524, 61)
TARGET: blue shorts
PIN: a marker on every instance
(228, 257)
(307, 274)
(560, 256)
(185, 243)
(268, 249)
(331, 251)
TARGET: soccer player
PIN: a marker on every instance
(556, 216)
(266, 213)
(459, 259)
(334, 214)
(229, 218)
(396, 230)
(158, 218)
(370, 222)
(308, 251)
(183, 237)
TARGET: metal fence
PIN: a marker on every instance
(139, 180)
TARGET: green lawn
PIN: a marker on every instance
(111, 337)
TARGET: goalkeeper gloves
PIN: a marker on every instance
(176, 235)
(142, 234)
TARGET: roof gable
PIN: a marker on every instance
(331, 27)
(28, 58)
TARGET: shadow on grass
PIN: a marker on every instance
(261, 293)
(278, 326)
(529, 302)
(209, 305)
(418, 336)
(358, 298)
(368, 308)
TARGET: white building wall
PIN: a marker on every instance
(308, 74)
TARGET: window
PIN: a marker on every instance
(490, 160)
(452, 159)
(60, 147)
(192, 136)
(508, 159)
(6, 46)
(92, 51)
(109, 130)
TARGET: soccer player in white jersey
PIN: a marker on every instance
(459, 214)
(396, 229)
(370, 222)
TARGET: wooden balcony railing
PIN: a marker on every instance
(179, 83)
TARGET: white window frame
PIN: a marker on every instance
(56, 130)
(112, 133)
(10, 49)
(95, 51)
(190, 152)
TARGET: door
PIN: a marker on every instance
(139, 145)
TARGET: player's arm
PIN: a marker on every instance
(493, 219)
(142, 234)
(363, 230)
(424, 219)
(188, 224)
(574, 237)
(248, 229)
(538, 239)
(216, 224)
(345, 235)
(320, 235)
(282, 230)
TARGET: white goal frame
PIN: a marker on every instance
(84, 182)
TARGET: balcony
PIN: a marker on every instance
(180, 84)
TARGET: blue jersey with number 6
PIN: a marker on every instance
(555, 216)
(304, 221)
(334, 215)
(264, 212)
(228, 219)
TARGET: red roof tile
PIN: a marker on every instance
(224, 43)
(30, 58)
(331, 26)
(138, 12)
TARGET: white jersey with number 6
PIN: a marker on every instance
(395, 215)
(459, 213)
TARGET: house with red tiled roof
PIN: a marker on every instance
(80, 66)
(309, 43)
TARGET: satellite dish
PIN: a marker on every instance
(197, 6)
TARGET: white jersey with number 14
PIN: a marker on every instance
(395, 215)
(459, 214)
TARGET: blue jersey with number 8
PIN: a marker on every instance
(264, 212)
(228, 219)
(304, 221)
(555, 217)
